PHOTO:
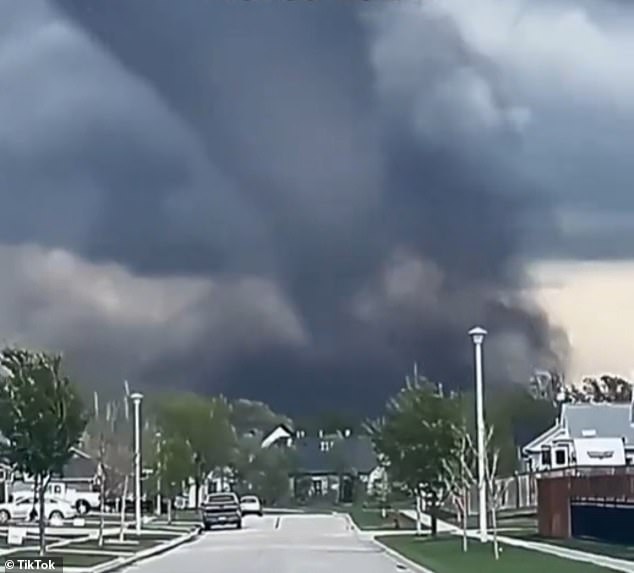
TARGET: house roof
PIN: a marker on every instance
(600, 420)
(607, 420)
(360, 453)
(356, 453)
(537, 442)
(80, 467)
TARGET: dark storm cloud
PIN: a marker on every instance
(358, 158)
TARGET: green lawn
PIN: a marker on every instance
(371, 519)
(589, 545)
(444, 555)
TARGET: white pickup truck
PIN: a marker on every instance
(82, 501)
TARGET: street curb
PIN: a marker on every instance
(388, 550)
(150, 552)
(351, 523)
(400, 557)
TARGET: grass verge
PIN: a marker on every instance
(589, 545)
(444, 555)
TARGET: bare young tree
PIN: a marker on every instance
(460, 478)
(101, 473)
(108, 441)
(496, 488)
(122, 501)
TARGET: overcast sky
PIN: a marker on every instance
(294, 201)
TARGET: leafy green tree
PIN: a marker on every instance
(222, 442)
(263, 471)
(176, 467)
(42, 418)
(517, 417)
(416, 436)
(607, 388)
(204, 425)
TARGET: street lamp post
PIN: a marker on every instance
(136, 400)
(159, 468)
(477, 335)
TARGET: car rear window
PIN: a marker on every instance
(250, 499)
(220, 499)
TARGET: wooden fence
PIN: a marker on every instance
(566, 501)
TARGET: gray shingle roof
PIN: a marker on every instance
(608, 420)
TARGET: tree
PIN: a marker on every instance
(607, 388)
(518, 417)
(495, 488)
(262, 470)
(416, 437)
(222, 442)
(460, 477)
(204, 425)
(108, 438)
(176, 467)
(42, 418)
(550, 386)
(380, 490)
(101, 474)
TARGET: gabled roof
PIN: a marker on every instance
(600, 420)
(281, 431)
(607, 420)
(537, 442)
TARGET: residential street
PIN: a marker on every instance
(289, 544)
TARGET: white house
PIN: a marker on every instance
(585, 435)
(281, 432)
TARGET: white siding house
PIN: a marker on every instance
(600, 434)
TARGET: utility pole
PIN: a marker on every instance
(477, 335)
(136, 400)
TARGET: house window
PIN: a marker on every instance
(546, 458)
(325, 446)
(560, 457)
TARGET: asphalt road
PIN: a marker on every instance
(288, 544)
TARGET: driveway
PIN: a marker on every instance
(285, 544)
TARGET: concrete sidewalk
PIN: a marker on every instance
(565, 552)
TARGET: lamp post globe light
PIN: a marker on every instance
(477, 335)
(136, 401)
